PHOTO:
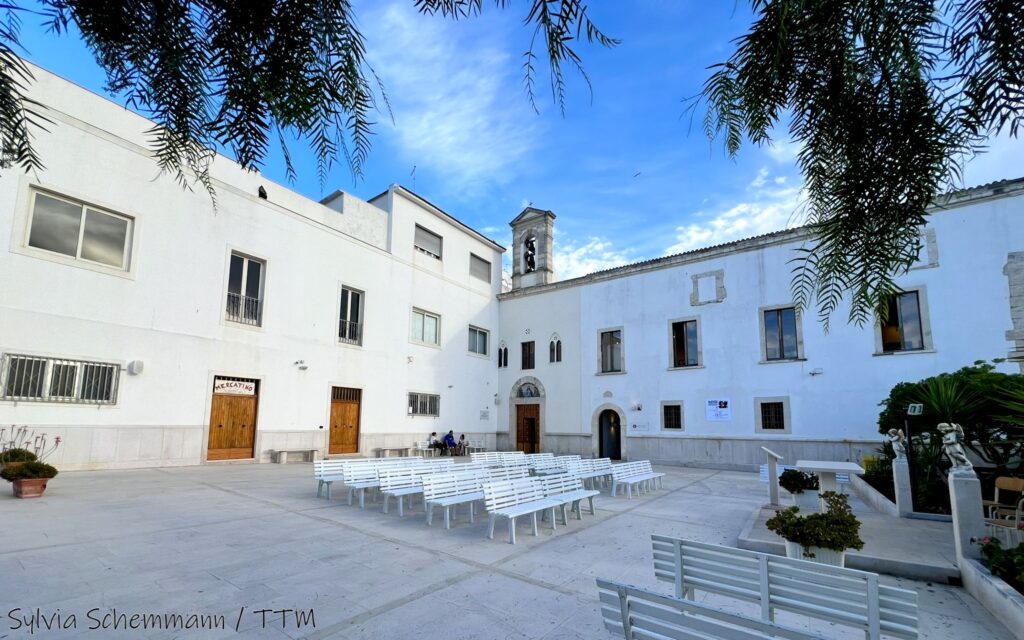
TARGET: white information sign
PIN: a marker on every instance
(718, 410)
(639, 427)
(234, 387)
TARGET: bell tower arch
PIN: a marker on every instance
(532, 234)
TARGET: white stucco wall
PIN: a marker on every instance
(167, 310)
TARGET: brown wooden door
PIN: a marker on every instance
(528, 428)
(344, 420)
(232, 427)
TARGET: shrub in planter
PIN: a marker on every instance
(17, 455)
(1007, 564)
(29, 479)
(836, 530)
(796, 481)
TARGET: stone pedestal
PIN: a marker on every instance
(968, 516)
(901, 483)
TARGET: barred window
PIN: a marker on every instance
(37, 379)
(672, 416)
(773, 416)
(424, 404)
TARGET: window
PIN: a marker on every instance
(780, 334)
(611, 351)
(79, 231)
(528, 355)
(350, 323)
(478, 340)
(555, 350)
(903, 328)
(245, 290)
(428, 242)
(426, 327)
(424, 404)
(479, 268)
(672, 415)
(38, 379)
(502, 356)
(684, 344)
(771, 415)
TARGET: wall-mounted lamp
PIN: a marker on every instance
(497, 399)
(817, 371)
(135, 367)
(301, 364)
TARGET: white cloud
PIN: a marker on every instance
(770, 209)
(450, 95)
(1004, 159)
(760, 180)
(573, 259)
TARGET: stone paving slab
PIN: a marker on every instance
(233, 539)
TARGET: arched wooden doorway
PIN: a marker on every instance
(609, 435)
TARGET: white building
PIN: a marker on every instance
(146, 327)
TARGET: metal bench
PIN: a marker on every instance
(838, 595)
(448, 490)
(636, 613)
(568, 490)
(400, 482)
(325, 472)
(512, 499)
(630, 474)
(594, 470)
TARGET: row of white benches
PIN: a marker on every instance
(833, 594)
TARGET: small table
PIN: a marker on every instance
(383, 452)
(827, 471)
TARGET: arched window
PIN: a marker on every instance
(502, 356)
(555, 349)
(530, 254)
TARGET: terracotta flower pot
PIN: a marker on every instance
(29, 487)
(823, 556)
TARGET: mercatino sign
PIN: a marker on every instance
(235, 387)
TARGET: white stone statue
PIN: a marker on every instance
(952, 439)
(899, 443)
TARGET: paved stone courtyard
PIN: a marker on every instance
(233, 540)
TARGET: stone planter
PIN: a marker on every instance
(823, 556)
(806, 500)
(1001, 600)
(29, 487)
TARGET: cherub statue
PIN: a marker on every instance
(952, 437)
(899, 443)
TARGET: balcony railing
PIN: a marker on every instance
(244, 309)
(350, 332)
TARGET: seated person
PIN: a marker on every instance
(434, 443)
(463, 444)
(449, 441)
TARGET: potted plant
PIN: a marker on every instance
(29, 478)
(821, 537)
(16, 456)
(803, 486)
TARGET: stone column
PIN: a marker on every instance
(968, 516)
(902, 486)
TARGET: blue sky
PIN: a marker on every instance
(627, 170)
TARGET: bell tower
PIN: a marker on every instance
(532, 234)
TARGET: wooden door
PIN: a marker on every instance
(528, 428)
(232, 426)
(345, 404)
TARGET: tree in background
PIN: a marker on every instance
(885, 97)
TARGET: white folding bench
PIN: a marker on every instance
(399, 482)
(514, 498)
(448, 490)
(824, 592)
(568, 490)
(637, 473)
(486, 457)
(591, 469)
(639, 614)
(360, 477)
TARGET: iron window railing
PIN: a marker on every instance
(351, 332)
(26, 378)
(244, 309)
